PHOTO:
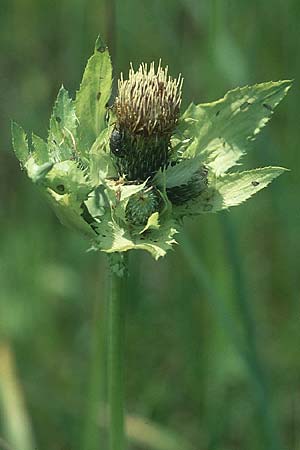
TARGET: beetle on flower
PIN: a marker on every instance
(125, 176)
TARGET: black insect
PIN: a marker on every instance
(116, 144)
(268, 107)
(101, 48)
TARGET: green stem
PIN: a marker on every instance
(116, 332)
(92, 433)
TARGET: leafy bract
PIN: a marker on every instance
(67, 178)
(220, 131)
(115, 235)
(93, 95)
(41, 153)
(20, 143)
(152, 223)
(70, 213)
(180, 173)
(62, 132)
(229, 190)
(37, 172)
(101, 164)
(236, 188)
(114, 238)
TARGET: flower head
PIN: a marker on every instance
(127, 182)
(147, 111)
(148, 103)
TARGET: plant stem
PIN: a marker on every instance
(116, 332)
(97, 383)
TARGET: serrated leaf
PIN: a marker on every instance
(118, 196)
(114, 235)
(70, 213)
(20, 143)
(67, 178)
(220, 131)
(152, 223)
(37, 172)
(93, 95)
(101, 164)
(180, 173)
(62, 133)
(40, 153)
(127, 190)
(238, 187)
(113, 238)
(97, 203)
(230, 190)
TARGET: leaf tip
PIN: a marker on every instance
(19, 142)
(100, 45)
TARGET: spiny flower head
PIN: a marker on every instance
(146, 114)
(127, 182)
(149, 101)
(142, 205)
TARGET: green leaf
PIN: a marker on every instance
(20, 143)
(152, 223)
(36, 172)
(118, 195)
(229, 190)
(67, 178)
(97, 203)
(113, 238)
(62, 133)
(70, 213)
(93, 95)
(101, 163)
(40, 153)
(220, 131)
(114, 234)
(180, 173)
(236, 188)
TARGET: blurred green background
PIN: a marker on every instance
(213, 335)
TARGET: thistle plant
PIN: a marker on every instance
(126, 175)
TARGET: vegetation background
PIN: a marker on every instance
(213, 354)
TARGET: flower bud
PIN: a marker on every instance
(141, 205)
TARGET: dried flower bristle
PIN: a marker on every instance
(149, 101)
